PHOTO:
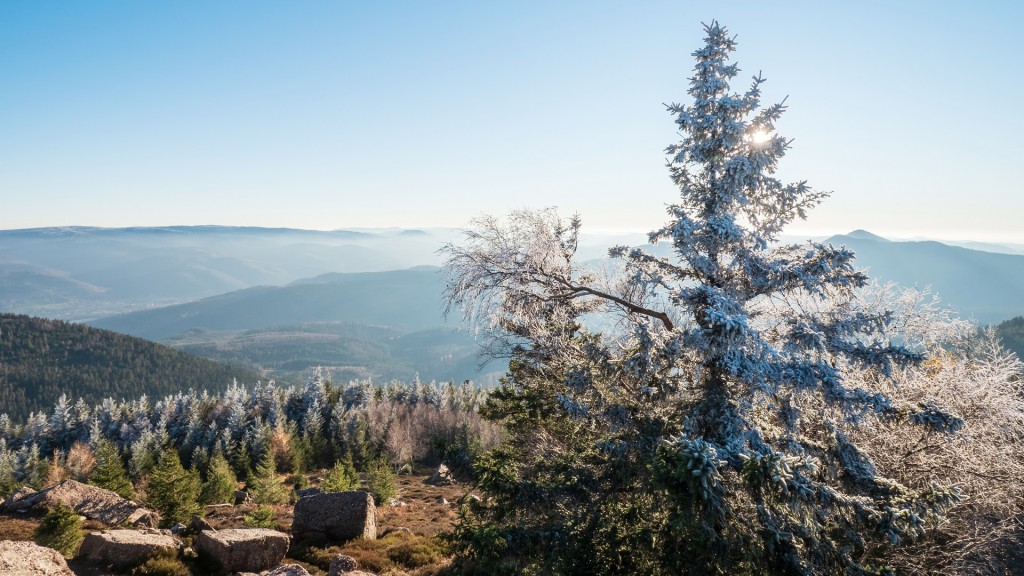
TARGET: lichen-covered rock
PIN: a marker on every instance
(197, 525)
(441, 477)
(288, 570)
(124, 549)
(335, 517)
(30, 559)
(342, 564)
(90, 501)
(394, 530)
(242, 549)
(312, 491)
(11, 504)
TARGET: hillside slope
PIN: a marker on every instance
(404, 299)
(41, 359)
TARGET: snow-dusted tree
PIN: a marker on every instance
(711, 431)
(981, 382)
(8, 430)
(8, 481)
(144, 453)
(61, 424)
(29, 466)
(36, 429)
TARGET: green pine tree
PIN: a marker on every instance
(173, 491)
(109, 472)
(8, 483)
(240, 460)
(60, 529)
(262, 517)
(380, 479)
(264, 486)
(342, 477)
(221, 482)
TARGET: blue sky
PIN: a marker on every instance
(372, 114)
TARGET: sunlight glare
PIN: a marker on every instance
(760, 136)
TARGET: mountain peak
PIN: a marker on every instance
(865, 235)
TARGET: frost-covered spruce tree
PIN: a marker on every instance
(711, 432)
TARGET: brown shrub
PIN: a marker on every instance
(81, 461)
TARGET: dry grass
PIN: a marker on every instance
(17, 527)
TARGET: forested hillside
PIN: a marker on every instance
(41, 359)
(1011, 334)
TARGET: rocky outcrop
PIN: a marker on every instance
(11, 504)
(90, 501)
(30, 559)
(242, 549)
(124, 549)
(198, 525)
(441, 477)
(342, 564)
(335, 517)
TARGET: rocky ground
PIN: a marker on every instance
(407, 530)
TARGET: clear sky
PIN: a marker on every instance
(374, 114)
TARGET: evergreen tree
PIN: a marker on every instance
(9, 484)
(60, 529)
(320, 451)
(172, 490)
(713, 433)
(380, 480)
(109, 472)
(261, 517)
(29, 468)
(357, 439)
(62, 423)
(264, 486)
(221, 482)
(143, 453)
(238, 451)
(342, 477)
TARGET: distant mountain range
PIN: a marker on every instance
(83, 273)
(80, 273)
(366, 303)
(406, 300)
(984, 286)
